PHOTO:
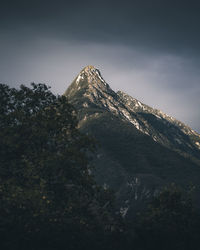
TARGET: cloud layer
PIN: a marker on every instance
(149, 49)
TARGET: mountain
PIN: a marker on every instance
(140, 148)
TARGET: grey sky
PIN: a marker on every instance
(149, 49)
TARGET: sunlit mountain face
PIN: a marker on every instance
(140, 149)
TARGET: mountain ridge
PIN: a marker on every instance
(141, 148)
(99, 93)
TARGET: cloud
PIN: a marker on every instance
(156, 25)
(164, 81)
(149, 49)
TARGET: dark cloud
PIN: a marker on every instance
(170, 25)
(150, 49)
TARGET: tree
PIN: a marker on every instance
(170, 221)
(47, 195)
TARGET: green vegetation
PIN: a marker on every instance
(48, 199)
(170, 222)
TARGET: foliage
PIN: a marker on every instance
(48, 199)
(170, 222)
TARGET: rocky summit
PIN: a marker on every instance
(140, 149)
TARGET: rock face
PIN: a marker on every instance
(140, 148)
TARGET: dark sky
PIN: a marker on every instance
(147, 48)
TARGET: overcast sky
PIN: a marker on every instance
(149, 49)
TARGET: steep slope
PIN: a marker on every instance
(163, 128)
(140, 148)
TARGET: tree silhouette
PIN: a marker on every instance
(48, 198)
(170, 221)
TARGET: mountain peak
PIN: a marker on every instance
(89, 92)
(89, 67)
(88, 80)
(91, 74)
(142, 149)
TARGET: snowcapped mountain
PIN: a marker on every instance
(141, 148)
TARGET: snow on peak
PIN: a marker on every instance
(92, 74)
(99, 75)
(79, 78)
